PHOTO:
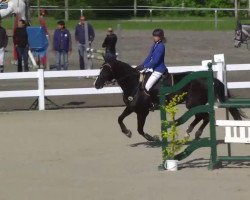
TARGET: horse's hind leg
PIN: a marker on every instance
(124, 114)
(141, 119)
(190, 128)
(205, 117)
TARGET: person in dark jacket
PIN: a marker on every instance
(80, 39)
(20, 39)
(110, 42)
(62, 45)
(3, 45)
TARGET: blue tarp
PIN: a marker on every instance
(38, 41)
(3, 5)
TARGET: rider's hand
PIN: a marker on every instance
(140, 67)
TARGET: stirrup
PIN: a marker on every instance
(146, 92)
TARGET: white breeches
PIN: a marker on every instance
(1, 56)
(152, 80)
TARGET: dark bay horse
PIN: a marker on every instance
(138, 101)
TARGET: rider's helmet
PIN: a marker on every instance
(160, 33)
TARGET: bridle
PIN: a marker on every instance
(114, 80)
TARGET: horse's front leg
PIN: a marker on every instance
(141, 119)
(124, 114)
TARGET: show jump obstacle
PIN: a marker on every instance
(236, 131)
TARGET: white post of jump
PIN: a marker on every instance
(222, 76)
(119, 41)
(88, 61)
(220, 63)
(41, 98)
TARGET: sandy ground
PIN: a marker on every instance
(81, 154)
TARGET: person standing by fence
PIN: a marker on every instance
(109, 43)
(42, 21)
(62, 45)
(20, 39)
(80, 38)
(3, 45)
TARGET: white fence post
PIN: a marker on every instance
(41, 98)
(220, 62)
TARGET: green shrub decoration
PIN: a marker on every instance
(170, 136)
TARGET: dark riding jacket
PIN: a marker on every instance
(109, 43)
(3, 38)
(155, 59)
(80, 33)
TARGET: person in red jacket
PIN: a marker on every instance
(42, 21)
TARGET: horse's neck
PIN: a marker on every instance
(246, 30)
(129, 83)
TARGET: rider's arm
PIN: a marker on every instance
(156, 58)
(104, 44)
(147, 60)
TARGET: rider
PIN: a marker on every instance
(155, 60)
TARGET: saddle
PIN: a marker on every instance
(133, 100)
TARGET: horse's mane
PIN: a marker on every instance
(124, 68)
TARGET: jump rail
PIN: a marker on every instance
(235, 131)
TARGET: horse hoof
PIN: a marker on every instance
(189, 129)
(156, 138)
(198, 134)
(187, 135)
(149, 137)
(128, 133)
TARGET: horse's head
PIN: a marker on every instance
(106, 75)
(116, 70)
(240, 35)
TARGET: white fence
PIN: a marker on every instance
(42, 92)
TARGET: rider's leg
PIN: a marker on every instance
(155, 76)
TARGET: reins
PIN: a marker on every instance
(115, 79)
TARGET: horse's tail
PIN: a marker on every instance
(219, 90)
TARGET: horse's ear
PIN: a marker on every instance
(108, 57)
(238, 25)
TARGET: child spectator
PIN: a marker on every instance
(62, 45)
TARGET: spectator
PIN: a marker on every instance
(80, 38)
(42, 21)
(3, 45)
(110, 42)
(62, 45)
(20, 39)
